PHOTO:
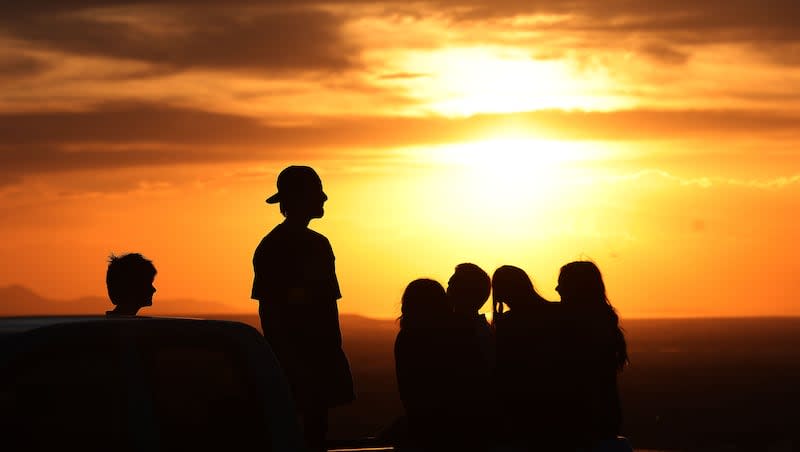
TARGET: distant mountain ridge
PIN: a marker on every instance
(17, 300)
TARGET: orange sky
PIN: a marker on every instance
(659, 140)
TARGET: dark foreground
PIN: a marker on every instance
(693, 384)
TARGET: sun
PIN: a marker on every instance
(510, 172)
(500, 184)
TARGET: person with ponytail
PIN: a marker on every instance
(529, 383)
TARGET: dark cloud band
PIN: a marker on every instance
(151, 134)
(261, 40)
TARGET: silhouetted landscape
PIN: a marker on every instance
(21, 300)
(638, 162)
(693, 384)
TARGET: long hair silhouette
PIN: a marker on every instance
(581, 286)
(529, 381)
(512, 287)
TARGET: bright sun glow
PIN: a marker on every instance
(516, 169)
(467, 81)
(514, 181)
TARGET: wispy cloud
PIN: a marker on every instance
(708, 181)
(124, 135)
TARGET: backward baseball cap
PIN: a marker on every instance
(295, 180)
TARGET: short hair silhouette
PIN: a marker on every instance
(424, 304)
(581, 285)
(468, 288)
(129, 282)
(513, 287)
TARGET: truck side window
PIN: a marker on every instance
(203, 395)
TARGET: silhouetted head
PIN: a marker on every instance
(299, 193)
(513, 287)
(581, 283)
(468, 288)
(129, 281)
(424, 305)
(581, 286)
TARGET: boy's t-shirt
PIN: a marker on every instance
(296, 285)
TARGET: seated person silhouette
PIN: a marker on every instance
(129, 281)
(467, 291)
(529, 384)
(430, 373)
(598, 353)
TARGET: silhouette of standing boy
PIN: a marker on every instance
(297, 290)
(129, 281)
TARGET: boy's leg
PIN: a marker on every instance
(315, 427)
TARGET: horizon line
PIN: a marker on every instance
(393, 319)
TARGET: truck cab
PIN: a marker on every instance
(141, 384)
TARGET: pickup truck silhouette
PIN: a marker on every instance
(141, 384)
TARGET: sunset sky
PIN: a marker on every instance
(659, 139)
